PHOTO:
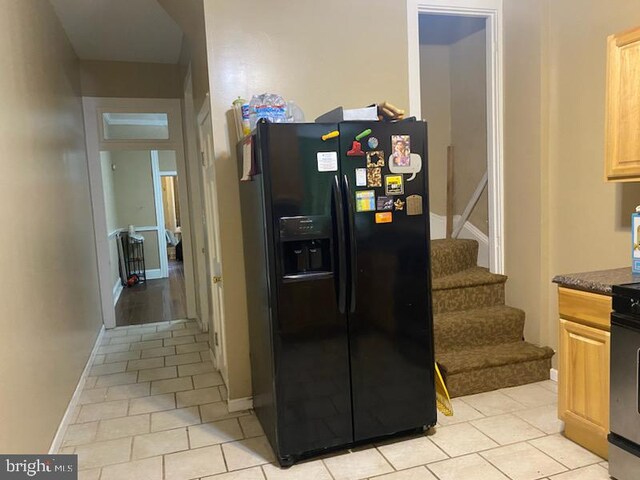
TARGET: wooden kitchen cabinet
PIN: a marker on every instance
(622, 137)
(583, 368)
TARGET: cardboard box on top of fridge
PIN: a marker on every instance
(340, 114)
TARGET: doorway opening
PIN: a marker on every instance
(455, 78)
(141, 210)
(454, 100)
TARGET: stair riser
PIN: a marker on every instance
(493, 378)
(461, 334)
(451, 257)
(468, 298)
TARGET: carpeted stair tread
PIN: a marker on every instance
(463, 329)
(502, 376)
(471, 277)
(449, 256)
(468, 360)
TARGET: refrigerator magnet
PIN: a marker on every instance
(384, 217)
(374, 177)
(399, 204)
(365, 201)
(372, 142)
(400, 166)
(401, 150)
(356, 150)
(384, 203)
(361, 177)
(393, 185)
(327, 161)
(414, 205)
(375, 158)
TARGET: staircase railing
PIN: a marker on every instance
(454, 231)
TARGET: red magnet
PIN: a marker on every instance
(356, 150)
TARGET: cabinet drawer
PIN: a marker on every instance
(585, 307)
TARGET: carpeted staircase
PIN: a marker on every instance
(478, 339)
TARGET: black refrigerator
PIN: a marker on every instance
(336, 241)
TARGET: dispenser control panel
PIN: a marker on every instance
(317, 226)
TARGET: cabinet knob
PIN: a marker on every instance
(217, 279)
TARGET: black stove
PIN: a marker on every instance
(624, 393)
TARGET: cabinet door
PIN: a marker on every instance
(583, 396)
(623, 112)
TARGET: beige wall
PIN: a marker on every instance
(469, 124)
(589, 225)
(189, 15)
(279, 49)
(525, 164)
(106, 166)
(435, 95)
(167, 161)
(49, 288)
(453, 82)
(130, 79)
(134, 198)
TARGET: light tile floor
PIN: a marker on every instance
(153, 409)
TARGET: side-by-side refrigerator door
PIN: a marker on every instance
(390, 322)
(310, 327)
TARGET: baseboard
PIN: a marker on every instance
(553, 374)
(117, 290)
(56, 444)
(469, 231)
(238, 404)
(154, 274)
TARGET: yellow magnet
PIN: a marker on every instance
(329, 135)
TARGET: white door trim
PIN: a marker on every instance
(492, 11)
(157, 197)
(93, 107)
(196, 200)
(213, 242)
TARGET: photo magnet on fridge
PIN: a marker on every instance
(365, 201)
(361, 177)
(414, 205)
(400, 150)
(393, 185)
(384, 203)
(412, 168)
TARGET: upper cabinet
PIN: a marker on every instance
(622, 144)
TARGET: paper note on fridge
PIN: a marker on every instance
(327, 161)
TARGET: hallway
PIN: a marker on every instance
(163, 299)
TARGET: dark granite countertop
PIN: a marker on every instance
(597, 282)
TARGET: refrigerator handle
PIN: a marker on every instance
(341, 245)
(352, 245)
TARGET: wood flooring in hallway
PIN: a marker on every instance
(157, 300)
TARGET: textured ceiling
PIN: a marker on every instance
(120, 30)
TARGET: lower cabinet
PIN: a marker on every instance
(583, 369)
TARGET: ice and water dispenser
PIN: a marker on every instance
(306, 247)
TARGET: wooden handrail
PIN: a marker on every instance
(450, 186)
(471, 205)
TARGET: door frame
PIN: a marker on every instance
(196, 201)
(491, 10)
(212, 240)
(93, 107)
